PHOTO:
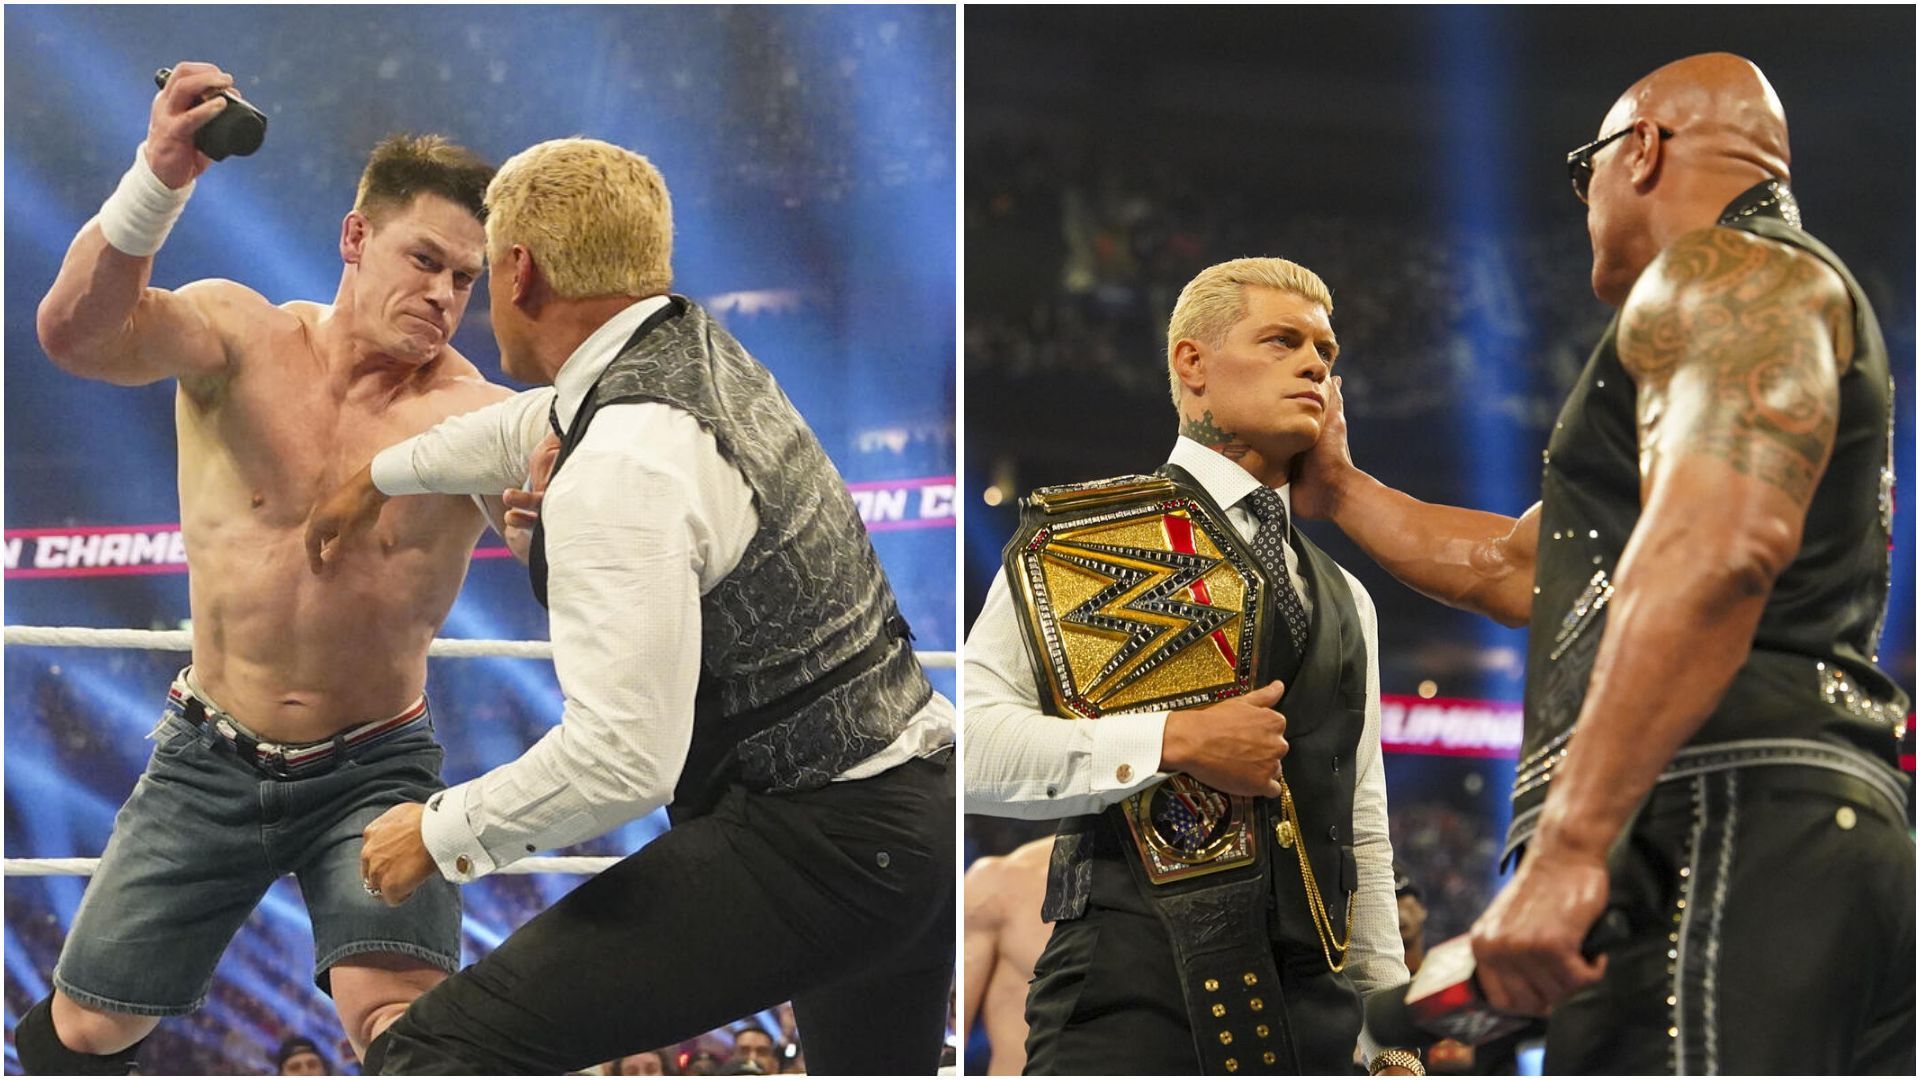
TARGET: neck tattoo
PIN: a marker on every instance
(1212, 436)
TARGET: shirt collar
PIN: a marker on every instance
(1222, 478)
(1768, 198)
(576, 377)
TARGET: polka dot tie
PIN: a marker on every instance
(1270, 547)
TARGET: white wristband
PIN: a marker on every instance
(140, 213)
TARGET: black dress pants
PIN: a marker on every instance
(1792, 952)
(839, 899)
(1105, 1001)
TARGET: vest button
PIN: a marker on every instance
(1333, 832)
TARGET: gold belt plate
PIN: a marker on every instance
(1137, 604)
(1185, 829)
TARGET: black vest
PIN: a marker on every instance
(1811, 676)
(806, 668)
(1325, 705)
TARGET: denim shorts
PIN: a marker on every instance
(202, 837)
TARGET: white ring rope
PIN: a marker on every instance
(537, 864)
(87, 637)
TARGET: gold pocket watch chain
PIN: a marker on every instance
(1287, 832)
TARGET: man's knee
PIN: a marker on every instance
(370, 992)
(408, 1048)
(61, 1037)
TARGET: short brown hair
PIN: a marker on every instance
(404, 166)
(597, 217)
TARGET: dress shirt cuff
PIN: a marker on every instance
(455, 847)
(393, 471)
(1126, 749)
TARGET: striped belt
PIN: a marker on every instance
(1877, 778)
(286, 761)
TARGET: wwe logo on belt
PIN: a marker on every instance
(1188, 813)
(1186, 622)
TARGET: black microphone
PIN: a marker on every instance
(1444, 1000)
(237, 131)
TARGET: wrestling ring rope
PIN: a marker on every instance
(85, 637)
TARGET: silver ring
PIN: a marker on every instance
(368, 885)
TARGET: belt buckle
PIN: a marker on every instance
(273, 762)
(1185, 829)
(269, 758)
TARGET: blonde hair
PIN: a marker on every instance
(1216, 298)
(596, 217)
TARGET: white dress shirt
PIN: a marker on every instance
(1024, 763)
(646, 517)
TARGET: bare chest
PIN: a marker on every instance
(279, 438)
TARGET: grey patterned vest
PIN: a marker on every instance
(806, 665)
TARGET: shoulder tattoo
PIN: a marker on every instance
(1729, 338)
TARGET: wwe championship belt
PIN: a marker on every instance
(1135, 596)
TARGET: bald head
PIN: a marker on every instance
(1728, 133)
(1720, 102)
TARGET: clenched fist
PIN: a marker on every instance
(181, 108)
(1235, 746)
(342, 517)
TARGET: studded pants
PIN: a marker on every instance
(1105, 1000)
(1774, 910)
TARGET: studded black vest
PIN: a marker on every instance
(1812, 676)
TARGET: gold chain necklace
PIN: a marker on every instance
(1289, 834)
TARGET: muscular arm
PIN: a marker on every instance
(102, 321)
(1731, 341)
(1469, 559)
(982, 890)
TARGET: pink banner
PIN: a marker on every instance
(1452, 727)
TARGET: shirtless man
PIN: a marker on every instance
(276, 405)
(1004, 937)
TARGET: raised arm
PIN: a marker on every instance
(1468, 559)
(100, 320)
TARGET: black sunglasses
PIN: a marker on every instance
(1580, 162)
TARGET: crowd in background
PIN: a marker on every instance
(1074, 262)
